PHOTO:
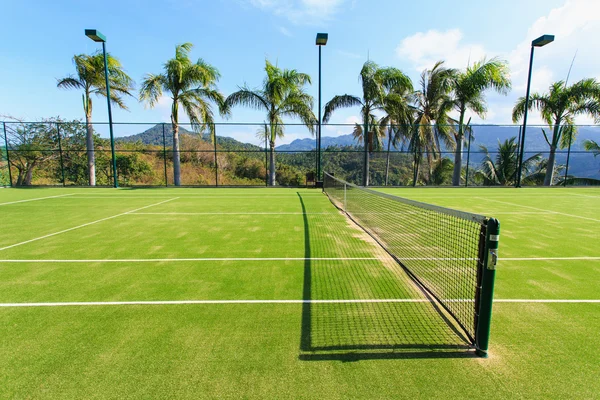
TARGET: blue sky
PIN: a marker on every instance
(40, 38)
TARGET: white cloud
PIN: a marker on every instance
(304, 12)
(576, 25)
(285, 32)
(425, 49)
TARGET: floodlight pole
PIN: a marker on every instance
(319, 135)
(99, 37)
(110, 122)
(539, 42)
(320, 42)
(520, 170)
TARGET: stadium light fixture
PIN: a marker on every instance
(320, 41)
(96, 36)
(539, 42)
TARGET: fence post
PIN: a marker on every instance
(165, 155)
(216, 160)
(568, 157)
(7, 154)
(62, 166)
(266, 159)
(468, 159)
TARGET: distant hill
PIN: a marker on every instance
(310, 143)
(154, 136)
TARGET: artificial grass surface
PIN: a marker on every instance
(383, 350)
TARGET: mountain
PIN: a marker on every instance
(154, 136)
(310, 143)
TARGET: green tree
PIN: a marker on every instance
(281, 95)
(592, 146)
(31, 148)
(398, 117)
(558, 109)
(502, 169)
(432, 124)
(376, 83)
(468, 94)
(90, 78)
(191, 86)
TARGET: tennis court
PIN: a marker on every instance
(275, 293)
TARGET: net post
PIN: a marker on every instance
(345, 208)
(490, 258)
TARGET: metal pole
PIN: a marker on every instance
(110, 123)
(519, 171)
(468, 157)
(266, 159)
(165, 155)
(568, 157)
(319, 134)
(486, 288)
(62, 167)
(7, 154)
(216, 161)
(366, 155)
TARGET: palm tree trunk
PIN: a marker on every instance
(272, 164)
(366, 158)
(549, 178)
(417, 161)
(387, 161)
(89, 144)
(176, 155)
(458, 151)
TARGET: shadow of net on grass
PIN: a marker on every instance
(382, 312)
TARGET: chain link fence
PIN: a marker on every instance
(54, 153)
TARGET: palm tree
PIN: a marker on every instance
(376, 83)
(282, 95)
(398, 118)
(90, 78)
(191, 86)
(558, 109)
(432, 124)
(468, 94)
(502, 169)
(592, 146)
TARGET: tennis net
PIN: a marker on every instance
(451, 254)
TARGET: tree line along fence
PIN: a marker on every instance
(53, 153)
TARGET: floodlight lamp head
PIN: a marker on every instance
(321, 39)
(95, 35)
(543, 40)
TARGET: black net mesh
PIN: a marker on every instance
(440, 248)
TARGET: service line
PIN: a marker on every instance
(36, 199)
(83, 225)
(292, 301)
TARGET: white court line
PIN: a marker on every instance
(144, 260)
(584, 195)
(183, 302)
(295, 197)
(235, 213)
(539, 209)
(83, 225)
(39, 198)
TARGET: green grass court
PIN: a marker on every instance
(197, 293)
